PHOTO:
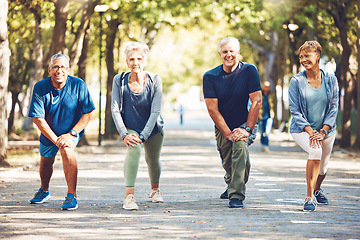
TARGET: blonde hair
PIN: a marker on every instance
(312, 46)
(136, 46)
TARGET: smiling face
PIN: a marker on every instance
(59, 71)
(229, 55)
(136, 61)
(309, 59)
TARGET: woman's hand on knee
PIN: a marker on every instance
(131, 140)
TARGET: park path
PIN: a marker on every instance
(191, 181)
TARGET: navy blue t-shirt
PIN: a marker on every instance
(62, 109)
(232, 91)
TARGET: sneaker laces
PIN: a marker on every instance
(154, 192)
(319, 193)
(309, 200)
(69, 200)
(130, 198)
(40, 194)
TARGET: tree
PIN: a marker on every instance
(357, 141)
(22, 56)
(4, 76)
(339, 12)
(37, 69)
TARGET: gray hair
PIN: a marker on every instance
(136, 46)
(57, 56)
(229, 39)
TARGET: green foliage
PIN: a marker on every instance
(183, 35)
(20, 39)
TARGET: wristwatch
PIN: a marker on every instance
(248, 129)
(74, 133)
(324, 131)
(142, 138)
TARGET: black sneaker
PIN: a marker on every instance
(236, 203)
(320, 197)
(224, 195)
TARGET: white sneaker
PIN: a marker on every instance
(156, 196)
(130, 203)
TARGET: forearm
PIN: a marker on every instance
(253, 115)
(45, 129)
(84, 120)
(219, 122)
(154, 114)
(256, 102)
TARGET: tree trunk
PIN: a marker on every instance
(82, 71)
(4, 78)
(341, 22)
(38, 71)
(76, 49)
(58, 38)
(14, 100)
(109, 58)
(357, 142)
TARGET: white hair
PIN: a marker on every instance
(229, 39)
(57, 56)
(136, 46)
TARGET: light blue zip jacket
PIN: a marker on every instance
(297, 103)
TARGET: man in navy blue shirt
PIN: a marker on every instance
(61, 107)
(228, 89)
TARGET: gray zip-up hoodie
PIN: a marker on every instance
(117, 102)
(297, 103)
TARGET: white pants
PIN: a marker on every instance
(322, 153)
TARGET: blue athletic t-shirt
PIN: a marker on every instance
(232, 91)
(63, 108)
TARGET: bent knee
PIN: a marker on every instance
(315, 153)
(67, 152)
(240, 145)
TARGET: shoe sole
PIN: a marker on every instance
(42, 201)
(154, 201)
(125, 208)
(236, 206)
(309, 210)
(70, 209)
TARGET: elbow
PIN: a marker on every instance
(257, 103)
(212, 110)
(37, 121)
(91, 114)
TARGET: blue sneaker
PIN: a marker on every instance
(309, 205)
(320, 197)
(236, 203)
(224, 195)
(40, 197)
(70, 202)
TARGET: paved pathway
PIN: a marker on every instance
(192, 180)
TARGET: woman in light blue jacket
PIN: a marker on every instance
(313, 104)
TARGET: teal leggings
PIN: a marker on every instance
(152, 147)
